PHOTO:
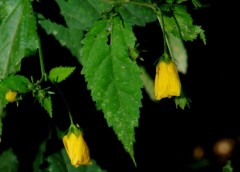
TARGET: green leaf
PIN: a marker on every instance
(46, 103)
(81, 14)
(1, 116)
(178, 20)
(39, 159)
(228, 167)
(179, 52)
(136, 14)
(8, 161)
(58, 74)
(3, 11)
(18, 35)
(59, 162)
(148, 83)
(13, 82)
(17, 83)
(56, 163)
(113, 78)
(68, 37)
(182, 101)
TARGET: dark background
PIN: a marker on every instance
(166, 136)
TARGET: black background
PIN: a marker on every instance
(166, 136)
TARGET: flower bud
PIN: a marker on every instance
(76, 148)
(11, 96)
(167, 83)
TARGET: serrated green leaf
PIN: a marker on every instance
(136, 14)
(59, 162)
(81, 14)
(182, 101)
(18, 37)
(8, 161)
(113, 78)
(45, 100)
(46, 103)
(178, 20)
(68, 37)
(58, 74)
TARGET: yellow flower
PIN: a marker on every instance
(167, 83)
(77, 149)
(11, 96)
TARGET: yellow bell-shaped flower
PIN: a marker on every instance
(167, 83)
(76, 148)
(11, 96)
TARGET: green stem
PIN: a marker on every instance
(70, 117)
(66, 104)
(161, 22)
(44, 75)
(167, 47)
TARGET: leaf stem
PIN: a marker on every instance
(65, 102)
(44, 75)
(161, 22)
(70, 117)
(160, 18)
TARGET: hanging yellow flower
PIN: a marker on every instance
(11, 96)
(76, 148)
(167, 83)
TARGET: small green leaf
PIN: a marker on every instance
(8, 161)
(58, 74)
(180, 23)
(228, 167)
(46, 103)
(182, 101)
(18, 36)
